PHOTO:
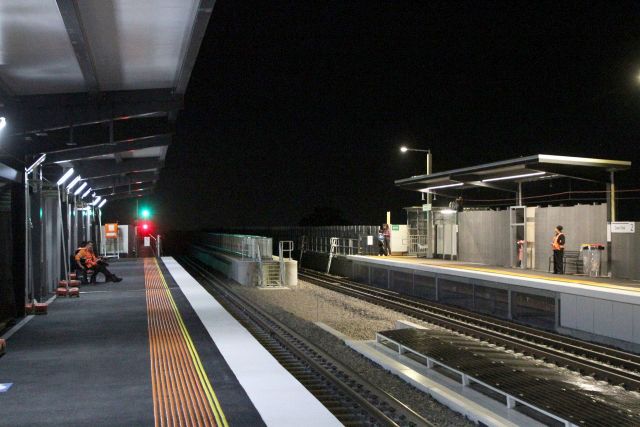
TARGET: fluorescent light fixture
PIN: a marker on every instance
(504, 178)
(86, 193)
(96, 201)
(3, 122)
(73, 182)
(65, 177)
(428, 189)
(102, 203)
(79, 190)
(447, 211)
(36, 164)
(404, 149)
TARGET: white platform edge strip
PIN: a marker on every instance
(279, 398)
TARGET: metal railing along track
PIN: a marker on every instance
(604, 363)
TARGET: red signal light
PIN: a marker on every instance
(145, 228)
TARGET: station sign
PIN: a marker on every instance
(623, 227)
(426, 207)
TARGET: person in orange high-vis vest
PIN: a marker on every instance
(92, 262)
(558, 251)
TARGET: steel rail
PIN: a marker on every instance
(611, 365)
(329, 380)
(622, 359)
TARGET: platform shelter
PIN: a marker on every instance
(518, 233)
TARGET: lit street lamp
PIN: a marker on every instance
(404, 149)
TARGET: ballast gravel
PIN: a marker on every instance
(300, 307)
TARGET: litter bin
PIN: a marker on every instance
(591, 254)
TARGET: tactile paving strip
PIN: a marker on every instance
(182, 393)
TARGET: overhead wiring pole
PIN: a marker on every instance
(431, 240)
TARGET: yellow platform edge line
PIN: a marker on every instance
(221, 419)
(525, 275)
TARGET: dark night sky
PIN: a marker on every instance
(299, 104)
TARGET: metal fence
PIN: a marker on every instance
(344, 246)
(352, 238)
(418, 245)
(245, 246)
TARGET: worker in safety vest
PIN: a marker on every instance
(92, 262)
(558, 251)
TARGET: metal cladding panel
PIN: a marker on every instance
(569, 311)
(483, 236)
(596, 316)
(138, 44)
(582, 224)
(7, 297)
(585, 313)
(624, 254)
(622, 327)
(52, 241)
(636, 323)
(35, 52)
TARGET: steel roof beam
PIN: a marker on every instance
(114, 181)
(71, 18)
(80, 153)
(105, 192)
(203, 14)
(42, 113)
(121, 196)
(99, 168)
(8, 173)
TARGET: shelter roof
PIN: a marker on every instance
(69, 63)
(505, 175)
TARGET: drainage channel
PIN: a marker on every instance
(537, 390)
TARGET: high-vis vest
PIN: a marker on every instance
(555, 245)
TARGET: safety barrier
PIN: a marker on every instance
(245, 246)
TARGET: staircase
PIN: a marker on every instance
(271, 273)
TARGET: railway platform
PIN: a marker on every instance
(152, 349)
(598, 309)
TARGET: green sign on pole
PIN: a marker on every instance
(395, 227)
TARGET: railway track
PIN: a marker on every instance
(603, 363)
(352, 399)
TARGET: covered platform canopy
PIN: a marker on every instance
(96, 85)
(505, 175)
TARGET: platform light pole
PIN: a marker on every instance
(429, 166)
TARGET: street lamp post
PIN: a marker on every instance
(429, 166)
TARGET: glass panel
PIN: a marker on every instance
(534, 310)
(424, 287)
(492, 301)
(379, 277)
(401, 282)
(455, 293)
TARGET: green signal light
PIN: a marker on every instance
(146, 213)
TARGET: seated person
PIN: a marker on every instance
(80, 271)
(91, 261)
